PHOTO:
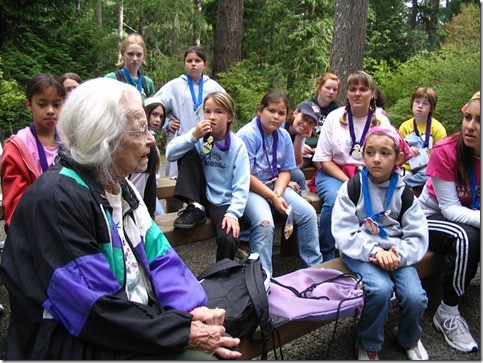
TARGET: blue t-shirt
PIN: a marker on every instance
(261, 158)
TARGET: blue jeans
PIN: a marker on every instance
(327, 188)
(379, 285)
(298, 176)
(259, 211)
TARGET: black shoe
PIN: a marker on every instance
(190, 217)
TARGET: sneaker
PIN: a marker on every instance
(190, 217)
(363, 354)
(417, 352)
(456, 332)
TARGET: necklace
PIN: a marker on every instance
(355, 151)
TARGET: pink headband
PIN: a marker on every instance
(396, 136)
(475, 96)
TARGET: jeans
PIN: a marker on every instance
(298, 176)
(259, 212)
(327, 188)
(379, 285)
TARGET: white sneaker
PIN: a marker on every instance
(456, 332)
(363, 354)
(417, 352)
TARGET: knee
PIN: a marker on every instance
(380, 292)
(414, 299)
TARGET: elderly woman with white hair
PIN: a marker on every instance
(88, 272)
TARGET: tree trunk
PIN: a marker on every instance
(99, 13)
(433, 22)
(175, 36)
(414, 15)
(228, 35)
(196, 25)
(120, 21)
(78, 5)
(347, 52)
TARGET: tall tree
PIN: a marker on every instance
(197, 25)
(347, 52)
(228, 35)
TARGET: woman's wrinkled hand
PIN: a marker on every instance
(210, 339)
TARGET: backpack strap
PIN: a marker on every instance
(407, 200)
(256, 288)
(225, 264)
(354, 192)
(122, 78)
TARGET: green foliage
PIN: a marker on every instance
(453, 72)
(13, 113)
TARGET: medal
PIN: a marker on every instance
(208, 145)
(356, 152)
(371, 226)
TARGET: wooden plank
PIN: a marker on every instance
(165, 187)
(179, 237)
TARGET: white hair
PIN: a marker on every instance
(92, 120)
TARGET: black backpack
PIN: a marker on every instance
(354, 192)
(122, 78)
(239, 288)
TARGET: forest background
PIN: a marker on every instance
(277, 44)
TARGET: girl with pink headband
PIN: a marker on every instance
(381, 236)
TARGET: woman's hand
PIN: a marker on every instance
(209, 316)
(294, 185)
(210, 339)
(231, 224)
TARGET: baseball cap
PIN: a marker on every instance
(310, 109)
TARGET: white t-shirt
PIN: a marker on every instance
(334, 142)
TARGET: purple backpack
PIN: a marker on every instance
(315, 294)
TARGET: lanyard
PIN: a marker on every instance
(40, 148)
(475, 203)
(196, 100)
(139, 86)
(371, 221)
(274, 168)
(209, 140)
(353, 134)
(428, 131)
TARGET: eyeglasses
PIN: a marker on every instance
(143, 132)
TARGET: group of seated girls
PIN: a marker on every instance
(381, 234)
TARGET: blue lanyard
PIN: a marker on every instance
(368, 204)
(428, 131)
(40, 149)
(274, 168)
(352, 132)
(196, 100)
(475, 203)
(139, 86)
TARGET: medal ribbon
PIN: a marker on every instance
(139, 86)
(352, 132)
(428, 131)
(40, 148)
(274, 168)
(196, 100)
(219, 145)
(367, 198)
